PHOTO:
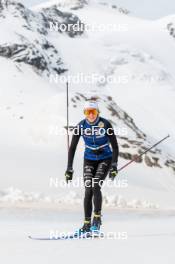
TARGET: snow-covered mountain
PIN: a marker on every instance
(132, 64)
(25, 36)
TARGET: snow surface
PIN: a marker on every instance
(139, 237)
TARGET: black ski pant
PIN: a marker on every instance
(95, 172)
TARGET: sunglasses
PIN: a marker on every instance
(87, 112)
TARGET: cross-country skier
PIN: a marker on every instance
(99, 159)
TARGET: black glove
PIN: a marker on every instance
(69, 174)
(113, 171)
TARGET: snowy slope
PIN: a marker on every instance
(141, 100)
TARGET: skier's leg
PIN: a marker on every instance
(89, 171)
(87, 177)
(88, 203)
(100, 175)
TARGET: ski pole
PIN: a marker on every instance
(134, 159)
(67, 92)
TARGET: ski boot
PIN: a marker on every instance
(96, 223)
(85, 230)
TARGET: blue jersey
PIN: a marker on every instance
(96, 139)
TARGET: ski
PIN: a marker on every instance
(70, 236)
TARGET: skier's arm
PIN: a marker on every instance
(114, 143)
(73, 146)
